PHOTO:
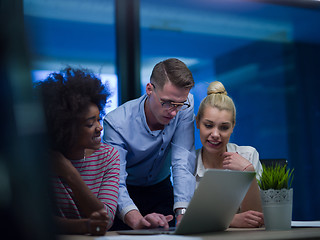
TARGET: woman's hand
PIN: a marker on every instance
(248, 219)
(98, 223)
(235, 161)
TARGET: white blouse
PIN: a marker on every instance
(248, 152)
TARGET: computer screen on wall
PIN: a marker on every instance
(108, 79)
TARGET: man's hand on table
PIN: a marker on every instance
(153, 220)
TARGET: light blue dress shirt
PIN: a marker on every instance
(145, 154)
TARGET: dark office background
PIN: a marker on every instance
(25, 196)
(266, 53)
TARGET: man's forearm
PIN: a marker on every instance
(132, 218)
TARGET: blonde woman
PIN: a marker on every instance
(216, 120)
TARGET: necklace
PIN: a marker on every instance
(84, 159)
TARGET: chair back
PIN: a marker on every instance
(273, 161)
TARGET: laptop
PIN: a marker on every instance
(213, 205)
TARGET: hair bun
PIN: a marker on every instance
(216, 87)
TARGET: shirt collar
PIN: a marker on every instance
(143, 116)
(200, 168)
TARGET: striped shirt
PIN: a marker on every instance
(100, 171)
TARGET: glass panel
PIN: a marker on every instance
(267, 55)
(72, 33)
(246, 45)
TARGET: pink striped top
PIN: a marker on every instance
(100, 172)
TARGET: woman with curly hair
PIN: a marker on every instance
(85, 171)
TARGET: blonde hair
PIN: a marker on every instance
(217, 97)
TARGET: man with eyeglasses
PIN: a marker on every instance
(152, 134)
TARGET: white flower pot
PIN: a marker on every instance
(277, 208)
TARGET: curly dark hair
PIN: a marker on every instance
(65, 96)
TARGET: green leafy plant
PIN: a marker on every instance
(275, 177)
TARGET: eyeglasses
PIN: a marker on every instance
(170, 106)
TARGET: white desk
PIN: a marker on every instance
(235, 233)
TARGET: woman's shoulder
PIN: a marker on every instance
(232, 147)
(106, 150)
(105, 147)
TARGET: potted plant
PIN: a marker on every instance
(276, 196)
